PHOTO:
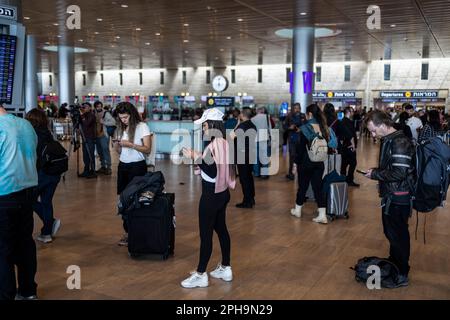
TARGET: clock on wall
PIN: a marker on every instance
(220, 83)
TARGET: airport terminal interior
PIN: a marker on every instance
(168, 69)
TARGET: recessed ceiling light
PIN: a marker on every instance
(138, 29)
(96, 32)
(217, 58)
(56, 24)
(186, 24)
(117, 37)
(303, 13)
(81, 40)
(99, 19)
(124, 6)
(240, 20)
(393, 25)
(228, 38)
(59, 36)
(147, 43)
(222, 50)
(27, 18)
(185, 41)
(47, 43)
(157, 34)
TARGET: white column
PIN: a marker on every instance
(303, 60)
(30, 74)
(66, 75)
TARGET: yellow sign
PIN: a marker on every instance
(330, 94)
(408, 94)
(211, 102)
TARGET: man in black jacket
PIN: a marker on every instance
(245, 147)
(396, 178)
(88, 122)
(348, 145)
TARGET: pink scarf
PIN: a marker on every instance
(225, 174)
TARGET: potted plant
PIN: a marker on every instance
(156, 114)
(167, 114)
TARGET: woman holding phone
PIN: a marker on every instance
(217, 177)
(133, 143)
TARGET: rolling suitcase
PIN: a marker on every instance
(151, 228)
(337, 201)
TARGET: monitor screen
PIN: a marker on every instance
(7, 61)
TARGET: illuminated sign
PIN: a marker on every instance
(224, 102)
(334, 94)
(409, 94)
(7, 63)
(8, 12)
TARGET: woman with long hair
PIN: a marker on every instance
(217, 177)
(308, 171)
(47, 183)
(133, 143)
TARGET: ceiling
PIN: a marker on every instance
(194, 33)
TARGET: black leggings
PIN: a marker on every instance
(310, 174)
(125, 173)
(212, 217)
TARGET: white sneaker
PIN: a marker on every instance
(20, 297)
(196, 280)
(223, 273)
(297, 212)
(56, 226)
(322, 217)
(44, 239)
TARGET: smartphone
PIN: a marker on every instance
(362, 172)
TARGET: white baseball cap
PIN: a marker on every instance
(210, 114)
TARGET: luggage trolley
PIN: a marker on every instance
(62, 129)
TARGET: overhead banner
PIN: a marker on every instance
(8, 12)
(334, 94)
(409, 94)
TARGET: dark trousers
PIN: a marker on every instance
(89, 156)
(395, 226)
(17, 247)
(247, 182)
(212, 217)
(313, 174)
(43, 204)
(292, 153)
(125, 173)
(348, 160)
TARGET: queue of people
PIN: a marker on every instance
(29, 185)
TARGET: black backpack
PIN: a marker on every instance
(388, 271)
(54, 159)
(433, 174)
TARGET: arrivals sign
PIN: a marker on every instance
(409, 94)
(8, 12)
(224, 102)
(334, 94)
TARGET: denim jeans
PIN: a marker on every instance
(102, 144)
(17, 247)
(89, 156)
(43, 204)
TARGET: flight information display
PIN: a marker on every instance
(7, 61)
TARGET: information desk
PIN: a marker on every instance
(172, 136)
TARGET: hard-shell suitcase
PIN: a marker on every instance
(337, 201)
(151, 228)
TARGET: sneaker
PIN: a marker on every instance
(107, 172)
(101, 171)
(402, 281)
(91, 176)
(44, 239)
(56, 226)
(196, 280)
(20, 297)
(223, 273)
(124, 241)
(290, 177)
(244, 205)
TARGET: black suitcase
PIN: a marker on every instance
(151, 229)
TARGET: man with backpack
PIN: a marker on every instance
(395, 175)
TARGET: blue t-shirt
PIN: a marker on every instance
(18, 142)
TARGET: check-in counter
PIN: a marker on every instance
(172, 136)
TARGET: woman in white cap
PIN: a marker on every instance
(217, 177)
